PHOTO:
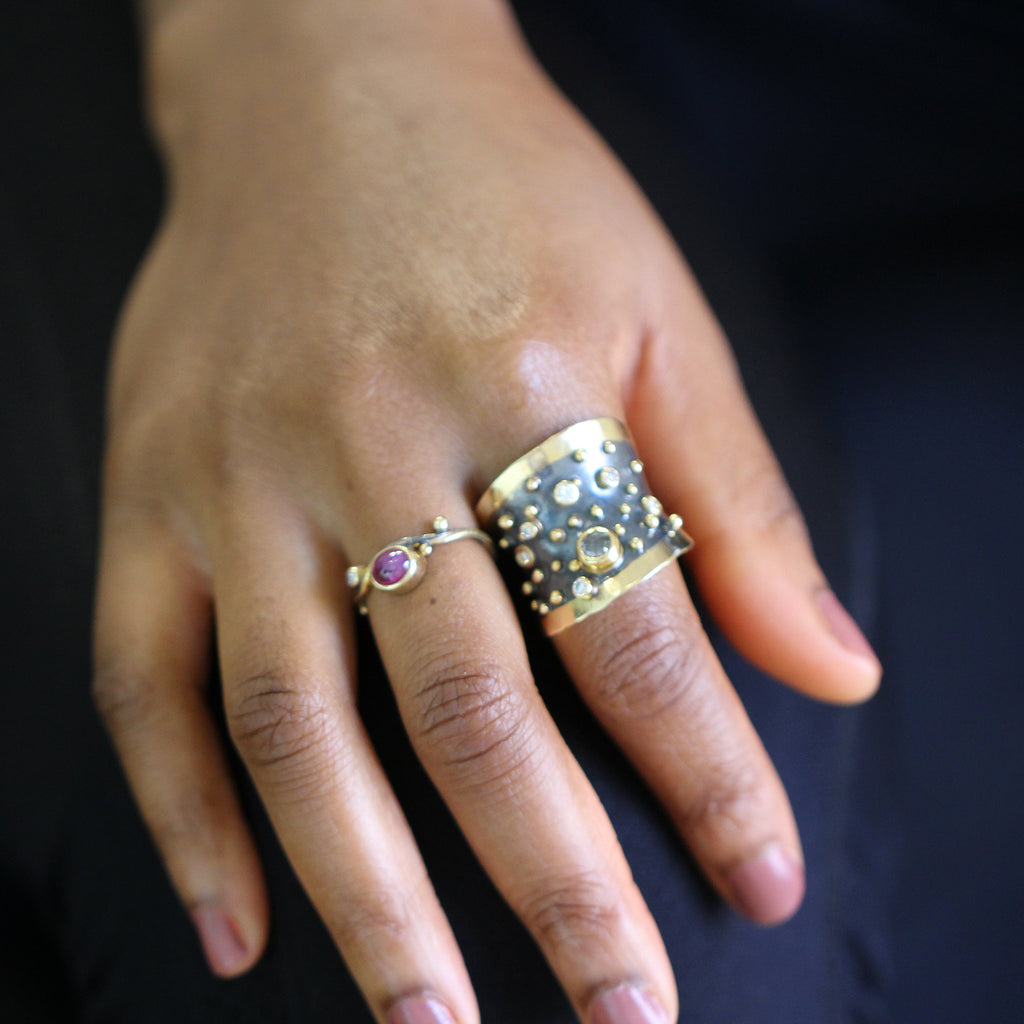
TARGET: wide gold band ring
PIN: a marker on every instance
(580, 520)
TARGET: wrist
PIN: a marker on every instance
(211, 65)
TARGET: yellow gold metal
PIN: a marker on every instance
(571, 441)
(650, 562)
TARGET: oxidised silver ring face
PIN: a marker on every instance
(579, 519)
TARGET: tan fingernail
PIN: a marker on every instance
(222, 944)
(842, 626)
(627, 1004)
(420, 1010)
(769, 887)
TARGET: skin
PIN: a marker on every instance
(393, 252)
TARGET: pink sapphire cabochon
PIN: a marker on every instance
(391, 566)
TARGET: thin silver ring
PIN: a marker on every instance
(400, 566)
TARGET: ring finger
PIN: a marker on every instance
(455, 656)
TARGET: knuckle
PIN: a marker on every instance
(722, 809)
(186, 822)
(577, 911)
(121, 697)
(373, 918)
(281, 722)
(469, 717)
(764, 498)
(650, 672)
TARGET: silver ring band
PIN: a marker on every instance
(401, 566)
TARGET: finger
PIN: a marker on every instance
(152, 640)
(454, 652)
(286, 656)
(646, 668)
(707, 457)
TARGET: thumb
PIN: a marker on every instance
(707, 455)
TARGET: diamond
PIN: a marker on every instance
(582, 587)
(529, 530)
(524, 557)
(599, 549)
(565, 493)
(651, 504)
(607, 476)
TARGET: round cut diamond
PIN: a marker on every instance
(582, 587)
(565, 493)
(528, 530)
(651, 504)
(524, 557)
(599, 549)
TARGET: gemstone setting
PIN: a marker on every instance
(395, 567)
(599, 549)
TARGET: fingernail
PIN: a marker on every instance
(420, 1010)
(768, 888)
(843, 628)
(221, 943)
(627, 1004)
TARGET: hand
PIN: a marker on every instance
(394, 258)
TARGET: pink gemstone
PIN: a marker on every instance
(390, 566)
